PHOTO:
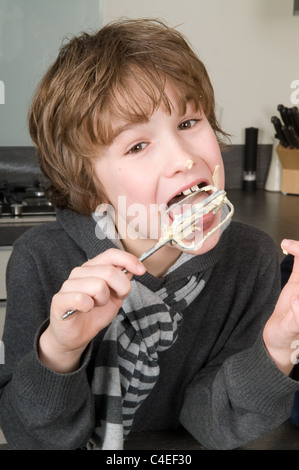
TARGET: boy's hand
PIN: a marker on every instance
(281, 332)
(97, 290)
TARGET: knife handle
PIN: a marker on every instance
(293, 137)
(284, 114)
(278, 128)
(295, 119)
(287, 136)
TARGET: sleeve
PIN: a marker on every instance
(39, 409)
(241, 394)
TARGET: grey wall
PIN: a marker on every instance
(31, 32)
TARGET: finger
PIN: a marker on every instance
(85, 270)
(98, 281)
(119, 258)
(295, 310)
(65, 301)
(292, 247)
(290, 318)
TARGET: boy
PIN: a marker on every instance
(126, 116)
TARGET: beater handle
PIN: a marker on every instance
(156, 247)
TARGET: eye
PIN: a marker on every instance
(137, 148)
(188, 124)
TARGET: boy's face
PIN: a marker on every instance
(148, 164)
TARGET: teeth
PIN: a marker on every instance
(187, 191)
(190, 190)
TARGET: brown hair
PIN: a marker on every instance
(72, 112)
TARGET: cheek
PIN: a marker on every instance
(218, 174)
(218, 178)
(214, 159)
(133, 197)
(137, 183)
(137, 207)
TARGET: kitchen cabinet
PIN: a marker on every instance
(5, 252)
(2, 438)
(2, 319)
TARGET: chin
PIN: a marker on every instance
(210, 242)
(208, 245)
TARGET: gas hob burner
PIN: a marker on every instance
(22, 202)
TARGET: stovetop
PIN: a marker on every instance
(24, 205)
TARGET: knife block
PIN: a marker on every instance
(289, 159)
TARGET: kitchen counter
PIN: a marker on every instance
(9, 234)
(12, 228)
(285, 437)
(275, 213)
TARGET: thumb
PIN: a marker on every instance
(292, 247)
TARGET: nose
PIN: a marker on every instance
(177, 157)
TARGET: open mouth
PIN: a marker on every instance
(190, 219)
(185, 217)
(180, 196)
(183, 202)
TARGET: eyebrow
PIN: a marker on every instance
(130, 125)
(119, 130)
(125, 127)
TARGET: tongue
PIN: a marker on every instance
(182, 208)
(175, 200)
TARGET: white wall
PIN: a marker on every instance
(250, 47)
